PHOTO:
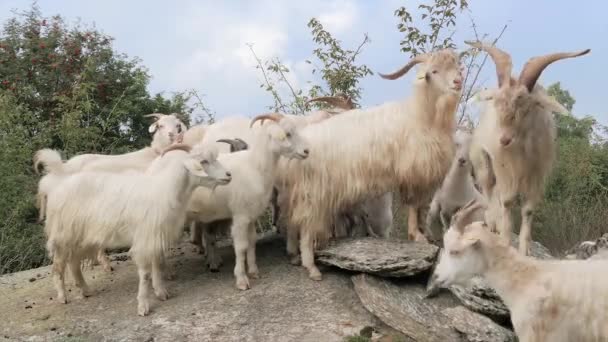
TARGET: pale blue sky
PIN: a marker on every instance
(201, 44)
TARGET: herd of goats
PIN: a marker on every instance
(323, 170)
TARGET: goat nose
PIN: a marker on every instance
(461, 160)
(228, 174)
(306, 151)
(505, 141)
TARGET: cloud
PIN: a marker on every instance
(340, 17)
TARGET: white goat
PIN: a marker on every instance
(247, 196)
(517, 131)
(557, 301)
(356, 156)
(457, 188)
(167, 129)
(96, 210)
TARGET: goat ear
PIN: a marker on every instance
(194, 167)
(152, 128)
(550, 103)
(471, 242)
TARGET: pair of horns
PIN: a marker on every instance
(268, 116)
(463, 216)
(174, 147)
(531, 71)
(236, 144)
(341, 101)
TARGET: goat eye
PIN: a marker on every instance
(204, 162)
(454, 253)
(434, 71)
(288, 135)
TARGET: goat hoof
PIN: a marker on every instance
(295, 260)
(421, 238)
(254, 275)
(62, 300)
(315, 275)
(243, 284)
(108, 268)
(143, 308)
(162, 294)
(84, 293)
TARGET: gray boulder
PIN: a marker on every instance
(379, 256)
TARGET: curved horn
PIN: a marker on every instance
(270, 116)
(463, 216)
(501, 59)
(181, 147)
(418, 59)
(156, 115)
(344, 102)
(236, 144)
(535, 66)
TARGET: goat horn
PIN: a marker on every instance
(155, 115)
(236, 144)
(535, 66)
(174, 147)
(463, 215)
(270, 116)
(344, 102)
(418, 59)
(501, 59)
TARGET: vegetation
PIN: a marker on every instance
(64, 86)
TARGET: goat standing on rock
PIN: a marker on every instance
(342, 171)
(518, 133)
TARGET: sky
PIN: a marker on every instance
(202, 44)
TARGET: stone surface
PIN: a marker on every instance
(481, 298)
(283, 305)
(536, 249)
(404, 306)
(382, 257)
(590, 249)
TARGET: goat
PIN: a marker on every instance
(246, 198)
(549, 300)
(343, 170)
(457, 188)
(518, 133)
(94, 210)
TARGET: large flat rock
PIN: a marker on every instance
(388, 258)
(283, 305)
(405, 307)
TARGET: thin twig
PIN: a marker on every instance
(277, 99)
(293, 92)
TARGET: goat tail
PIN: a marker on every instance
(49, 159)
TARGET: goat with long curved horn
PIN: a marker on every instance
(416, 60)
(276, 117)
(463, 216)
(535, 66)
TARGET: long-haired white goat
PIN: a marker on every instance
(406, 145)
(167, 129)
(517, 131)
(246, 198)
(549, 300)
(94, 210)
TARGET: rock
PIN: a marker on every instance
(475, 327)
(536, 249)
(588, 249)
(481, 298)
(406, 308)
(379, 256)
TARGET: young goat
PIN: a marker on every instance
(557, 301)
(518, 133)
(246, 198)
(457, 188)
(146, 211)
(369, 152)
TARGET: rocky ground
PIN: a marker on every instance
(373, 290)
